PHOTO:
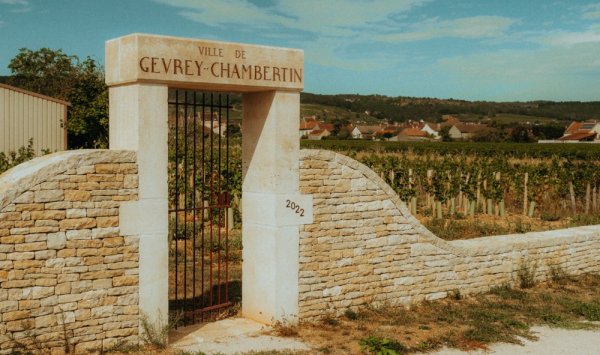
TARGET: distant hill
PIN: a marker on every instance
(400, 109)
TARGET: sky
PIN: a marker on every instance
(494, 50)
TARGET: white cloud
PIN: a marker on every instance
(17, 5)
(571, 38)
(326, 18)
(591, 12)
(323, 28)
(557, 72)
(15, 2)
(467, 27)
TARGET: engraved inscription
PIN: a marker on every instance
(295, 207)
(213, 63)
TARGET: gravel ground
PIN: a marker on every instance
(552, 341)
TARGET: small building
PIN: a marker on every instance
(588, 131)
(432, 129)
(307, 125)
(365, 132)
(319, 134)
(467, 130)
(26, 115)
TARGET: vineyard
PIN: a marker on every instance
(464, 190)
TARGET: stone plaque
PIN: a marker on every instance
(182, 62)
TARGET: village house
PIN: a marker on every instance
(465, 131)
(588, 131)
(365, 132)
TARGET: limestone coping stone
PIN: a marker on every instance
(471, 247)
(24, 176)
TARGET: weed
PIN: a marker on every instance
(522, 227)
(589, 310)
(328, 319)
(382, 346)
(558, 274)
(157, 334)
(456, 295)
(285, 329)
(550, 216)
(506, 292)
(350, 314)
(526, 274)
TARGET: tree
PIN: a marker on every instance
(520, 134)
(87, 123)
(56, 74)
(44, 71)
(445, 134)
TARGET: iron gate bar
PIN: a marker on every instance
(212, 208)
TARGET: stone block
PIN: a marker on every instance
(104, 222)
(24, 198)
(30, 246)
(77, 223)
(41, 292)
(48, 196)
(30, 206)
(56, 240)
(125, 281)
(77, 195)
(48, 214)
(15, 315)
(76, 213)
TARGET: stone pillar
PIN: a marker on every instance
(271, 176)
(138, 121)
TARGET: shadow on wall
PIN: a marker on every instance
(365, 247)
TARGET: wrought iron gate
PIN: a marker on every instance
(199, 197)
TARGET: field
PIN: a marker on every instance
(468, 190)
(507, 118)
(329, 113)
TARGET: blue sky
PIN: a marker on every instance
(467, 49)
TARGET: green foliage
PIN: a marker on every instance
(430, 109)
(10, 159)
(88, 115)
(382, 346)
(350, 314)
(588, 310)
(45, 71)
(56, 74)
(526, 274)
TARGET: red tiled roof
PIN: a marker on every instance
(308, 125)
(573, 127)
(413, 132)
(327, 126)
(368, 129)
(471, 128)
(578, 136)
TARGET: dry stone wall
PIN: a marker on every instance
(66, 272)
(365, 247)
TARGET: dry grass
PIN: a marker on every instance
(486, 225)
(503, 315)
